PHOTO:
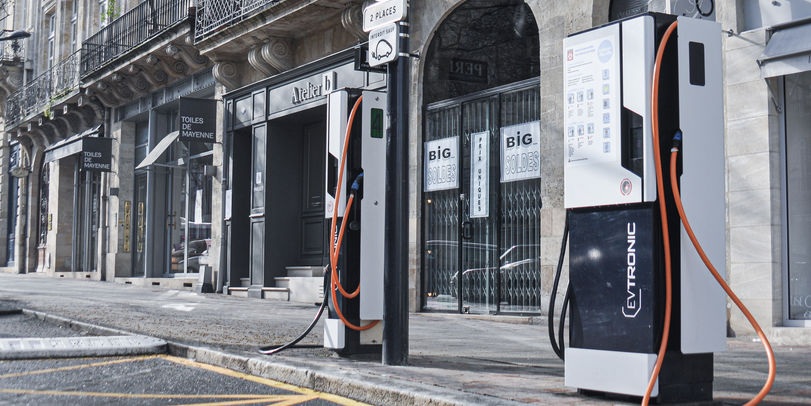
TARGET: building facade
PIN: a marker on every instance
(244, 214)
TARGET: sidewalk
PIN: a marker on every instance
(453, 359)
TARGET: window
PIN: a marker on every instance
(73, 26)
(103, 13)
(797, 92)
(51, 39)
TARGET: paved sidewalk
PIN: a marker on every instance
(453, 359)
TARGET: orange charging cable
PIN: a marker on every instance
(674, 152)
(335, 249)
(660, 189)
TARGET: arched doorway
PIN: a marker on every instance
(481, 197)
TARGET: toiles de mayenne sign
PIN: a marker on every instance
(198, 120)
(97, 154)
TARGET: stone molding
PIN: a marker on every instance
(225, 72)
(352, 21)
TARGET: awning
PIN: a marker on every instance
(788, 51)
(95, 153)
(69, 146)
(159, 149)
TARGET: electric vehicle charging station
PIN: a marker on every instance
(361, 251)
(616, 259)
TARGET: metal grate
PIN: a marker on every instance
(214, 15)
(146, 20)
(500, 261)
(441, 223)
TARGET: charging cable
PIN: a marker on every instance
(660, 190)
(674, 153)
(557, 345)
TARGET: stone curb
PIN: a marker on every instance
(366, 387)
(70, 347)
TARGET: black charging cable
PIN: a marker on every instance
(557, 344)
(274, 349)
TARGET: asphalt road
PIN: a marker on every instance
(135, 380)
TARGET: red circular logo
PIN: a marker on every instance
(626, 186)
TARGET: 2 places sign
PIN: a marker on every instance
(382, 13)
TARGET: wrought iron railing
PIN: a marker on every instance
(11, 51)
(213, 15)
(44, 90)
(131, 29)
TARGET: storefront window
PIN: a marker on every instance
(798, 193)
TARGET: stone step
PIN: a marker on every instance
(276, 293)
(303, 289)
(304, 270)
(238, 291)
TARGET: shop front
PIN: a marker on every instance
(276, 168)
(165, 185)
(69, 204)
(481, 162)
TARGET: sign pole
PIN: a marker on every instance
(395, 326)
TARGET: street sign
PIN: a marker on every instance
(383, 12)
(383, 45)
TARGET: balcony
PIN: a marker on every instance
(11, 51)
(130, 30)
(43, 92)
(214, 15)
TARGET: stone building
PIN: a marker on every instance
(249, 207)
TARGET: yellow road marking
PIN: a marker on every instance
(264, 381)
(305, 394)
(292, 400)
(80, 366)
(253, 398)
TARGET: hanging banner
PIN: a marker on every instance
(97, 154)
(441, 164)
(521, 152)
(198, 120)
(480, 174)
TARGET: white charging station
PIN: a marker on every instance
(610, 189)
(372, 122)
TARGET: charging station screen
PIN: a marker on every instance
(592, 97)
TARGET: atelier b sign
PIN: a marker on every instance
(198, 120)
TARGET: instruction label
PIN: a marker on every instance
(592, 100)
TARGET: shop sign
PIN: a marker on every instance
(381, 13)
(383, 45)
(480, 174)
(441, 164)
(97, 154)
(310, 91)
(521, 152)
(198, 120)
(465, 70)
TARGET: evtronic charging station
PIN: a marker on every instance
(626, 243)
(356, 207)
